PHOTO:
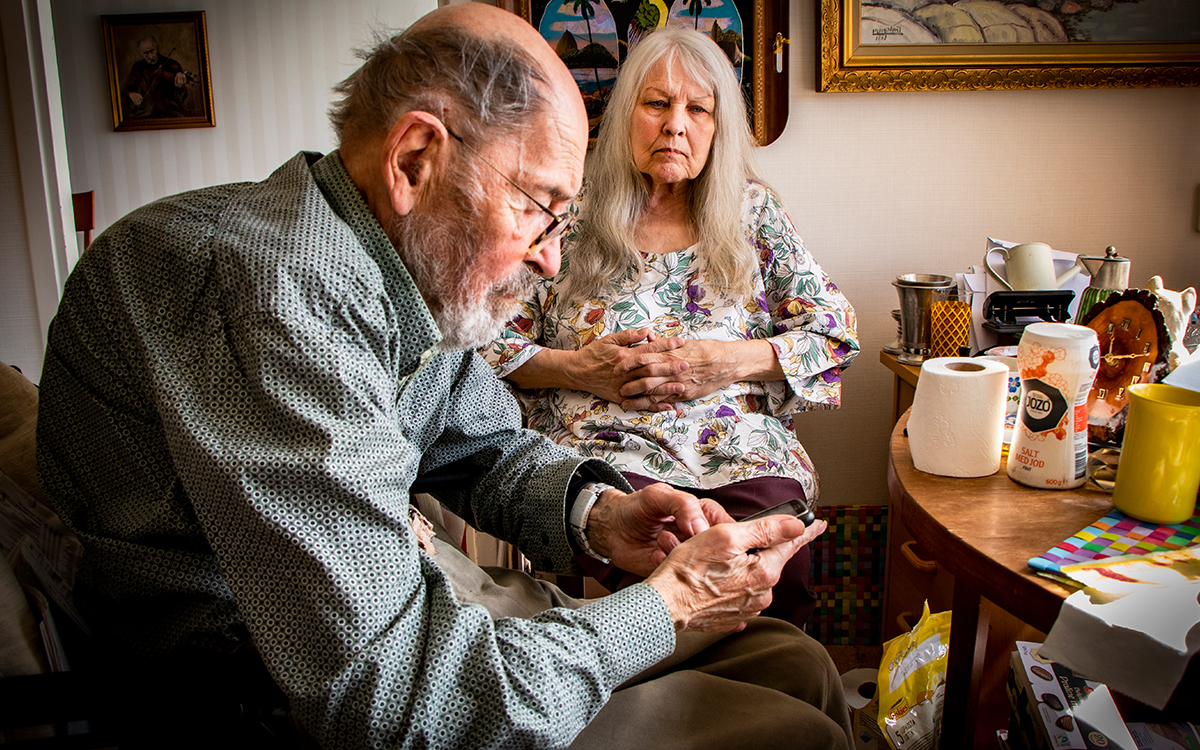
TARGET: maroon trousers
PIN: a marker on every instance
(793, 598)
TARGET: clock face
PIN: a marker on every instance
(1133, 347)
(1128, 349)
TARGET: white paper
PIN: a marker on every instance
(1139, 644)
(1186, 374)
(976, 281)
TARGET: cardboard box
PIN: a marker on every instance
(1179, 735)
(1056, 709)
(867, 734)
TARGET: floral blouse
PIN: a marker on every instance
(740, 432)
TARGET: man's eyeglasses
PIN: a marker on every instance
(559, 223)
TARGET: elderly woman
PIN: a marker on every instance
(688, 322)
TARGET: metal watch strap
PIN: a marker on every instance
(579, 516)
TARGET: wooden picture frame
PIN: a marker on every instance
(761, 44)
(1010, 56)
(158, 75)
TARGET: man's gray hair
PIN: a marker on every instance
(616, 192)
(492, 85)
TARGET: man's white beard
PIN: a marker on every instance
(442, 251)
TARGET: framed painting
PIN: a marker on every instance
(158, 76)
(924, 45)
(593, 37)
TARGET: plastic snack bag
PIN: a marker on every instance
(912, 683)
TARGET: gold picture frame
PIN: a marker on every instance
(848, 65)
(158, 75)
(764, 42)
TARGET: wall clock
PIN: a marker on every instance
(1133, 349)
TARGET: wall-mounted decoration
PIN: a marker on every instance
(158, 75)
(594, 36)
(922, 45)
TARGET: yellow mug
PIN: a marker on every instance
(1159, 472)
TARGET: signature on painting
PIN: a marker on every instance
(881, 33)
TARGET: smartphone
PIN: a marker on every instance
(797, 507)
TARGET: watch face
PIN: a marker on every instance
(1133, 348)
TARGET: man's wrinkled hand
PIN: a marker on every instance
(638, 530)
(721, 578)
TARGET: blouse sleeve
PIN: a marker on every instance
(813, 324)
(522, 337)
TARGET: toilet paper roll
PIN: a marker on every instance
(859, 687)
(956, 428)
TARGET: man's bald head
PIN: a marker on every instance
(487, 66)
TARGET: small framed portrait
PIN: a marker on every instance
(158, 75)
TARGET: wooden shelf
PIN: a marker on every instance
(906, 383)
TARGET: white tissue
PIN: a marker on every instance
(859, 686)
(956, 428)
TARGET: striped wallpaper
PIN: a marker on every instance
(273, 63)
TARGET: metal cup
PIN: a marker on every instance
(916, 299)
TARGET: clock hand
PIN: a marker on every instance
(1110, 358)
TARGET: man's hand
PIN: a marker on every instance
(638, 530)
(714, 582)
(136, 98)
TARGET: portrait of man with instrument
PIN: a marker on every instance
(158, 74)
(156, 86)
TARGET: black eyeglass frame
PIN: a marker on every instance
(560, 222)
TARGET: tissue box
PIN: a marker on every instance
(1056, 709)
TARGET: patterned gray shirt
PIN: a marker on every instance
(240, 387)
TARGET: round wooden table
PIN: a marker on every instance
(983, 531)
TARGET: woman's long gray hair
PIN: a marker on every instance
(604, 248)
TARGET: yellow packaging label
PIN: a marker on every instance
(912, 683)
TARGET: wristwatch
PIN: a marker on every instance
(584, 501)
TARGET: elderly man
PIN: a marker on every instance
(156, 85)
(244, 382)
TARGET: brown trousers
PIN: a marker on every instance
(769, 686)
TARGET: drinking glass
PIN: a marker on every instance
(950, 323)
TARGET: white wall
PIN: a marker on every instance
(19, 329)
(273, 64)
(878, 184)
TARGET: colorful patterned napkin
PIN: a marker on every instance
(1118, 534)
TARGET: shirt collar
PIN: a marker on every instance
(347, 202)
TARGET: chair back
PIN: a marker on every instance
(84, 205)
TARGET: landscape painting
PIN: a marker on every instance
(923, 45)
(1027, 21)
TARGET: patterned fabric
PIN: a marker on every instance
(848, 563)
(240, 387)
(1118, 534)
(737, 433)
